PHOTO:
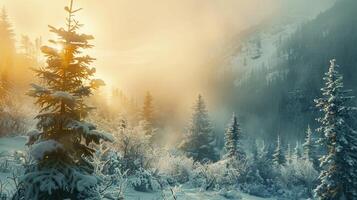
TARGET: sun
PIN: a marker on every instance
(58, 47)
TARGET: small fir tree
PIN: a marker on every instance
(199, 142)
(297, 151)
(148, 109)
(148, 120)
(279, 156)
(309, 147)
(233, 137)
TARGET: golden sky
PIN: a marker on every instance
(158, 45)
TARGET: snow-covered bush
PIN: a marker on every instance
(299, 175)
(133, 144)
(112, 180)
(145, 180)
(222, 174)
(176, 168)
(260, 177)
(11, 167)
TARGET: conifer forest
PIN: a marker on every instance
(178, 100)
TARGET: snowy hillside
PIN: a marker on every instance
(261, 51)
(261, 48)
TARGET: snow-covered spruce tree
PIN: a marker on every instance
(233, 137)
(310, 148)
(199, 142)
(60, 147)
(279, 156)
(297, 151)
(338, 178)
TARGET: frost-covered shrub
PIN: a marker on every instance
(223, 174)
(176, 168)
(145, 181)
(11, 164)
(260, 177)
(112, 181)
(299, 175)
(133, 144)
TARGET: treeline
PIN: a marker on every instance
(15, 75)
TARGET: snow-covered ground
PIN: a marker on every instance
(191, 194)
(9, 146)
(12, 144)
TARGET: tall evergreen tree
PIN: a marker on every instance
(61, 147)
(279, 156)
(199, 142)
(233, 137)
(338, 178)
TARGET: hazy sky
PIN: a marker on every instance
(168, 47)
(144, 44)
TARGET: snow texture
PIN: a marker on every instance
(39, 150)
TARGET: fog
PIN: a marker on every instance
(171, 47)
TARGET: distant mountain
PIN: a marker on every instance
(275, 96)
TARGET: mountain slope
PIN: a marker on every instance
(284, 104)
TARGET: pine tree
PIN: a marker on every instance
(199, 142)
(233, 137)
(297, 151)
(338, 177)
(61, 146)
(310, 148)
(7, 41)
(279, 156)
(148, 109)
(147, 115)
(264, 152)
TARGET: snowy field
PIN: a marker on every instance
(191, 194)
(9, 146)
